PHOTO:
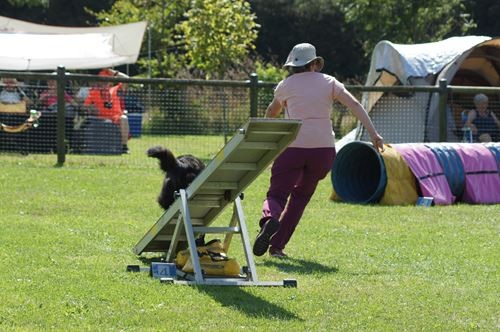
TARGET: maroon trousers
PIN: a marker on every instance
(294, 177)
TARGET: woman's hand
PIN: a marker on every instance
(378, 142)
(274, 109)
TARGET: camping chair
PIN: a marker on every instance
(221, 183)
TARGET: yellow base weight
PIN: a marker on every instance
(213, 260)
(214, 246)
(229, 267)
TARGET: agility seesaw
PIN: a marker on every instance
(222, 182)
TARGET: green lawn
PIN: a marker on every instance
(66, 237)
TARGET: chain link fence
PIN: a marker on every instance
(80, 117)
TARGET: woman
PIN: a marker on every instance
(307, 95)
(11, 93)
(103, 100)
(483, 123)
(48, 98)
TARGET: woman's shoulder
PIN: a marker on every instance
(308, 78)
(332, 81)
(329, 78)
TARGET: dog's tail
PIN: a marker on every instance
(167, 159)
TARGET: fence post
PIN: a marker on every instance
(254, 94)
(443, 117)
(61, 116)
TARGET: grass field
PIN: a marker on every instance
(67, 233)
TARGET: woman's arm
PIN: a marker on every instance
(274, 109)
(495, 118)
(471, 116)
(348, 100)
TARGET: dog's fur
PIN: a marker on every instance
(179, 172)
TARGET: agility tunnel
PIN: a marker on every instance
(447, 172)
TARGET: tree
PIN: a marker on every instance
(29, 3)
(345, 31)
(54, 12)
(285, 23)
(406, 21)
(162, 17)
(218, 34)
(209, 35)
(486, 14)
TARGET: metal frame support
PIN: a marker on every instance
(254, 94)
(61, 116)
(443, 117)
(198, 275)
(237, 225)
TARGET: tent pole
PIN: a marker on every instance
(149, 66)
(61, 115)
(443, 121)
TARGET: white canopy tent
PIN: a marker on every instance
(415, 117)
(27, 46)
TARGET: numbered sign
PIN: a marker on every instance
(163, 270)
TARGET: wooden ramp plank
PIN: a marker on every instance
(237, 164)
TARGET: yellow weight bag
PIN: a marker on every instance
(213, 260)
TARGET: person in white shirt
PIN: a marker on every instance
(11, 93)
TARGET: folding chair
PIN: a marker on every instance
(222, 182)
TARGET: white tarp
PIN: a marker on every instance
(417, 60)
(28, 46)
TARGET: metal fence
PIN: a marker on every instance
(197, 116)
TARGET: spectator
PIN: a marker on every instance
(11, 93)
(130, 101)
(48, 98)
(103, 100)
(483, 122)
(82, 94)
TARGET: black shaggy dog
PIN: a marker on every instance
(179, 172)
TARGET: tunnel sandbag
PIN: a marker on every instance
(401, 187)
(452, 166)
(429, 173)
(482, 180)
(358, 173)
(334, 196)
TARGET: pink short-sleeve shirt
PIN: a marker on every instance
(309, 96)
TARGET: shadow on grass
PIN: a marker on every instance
(238, 299)
(289, 264)
(299, 265)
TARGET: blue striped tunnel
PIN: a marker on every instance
(358, 174)
(452, 166)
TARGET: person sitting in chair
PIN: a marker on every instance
(483, 122)
(11, 93)
(48, 98)
(103, 100)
